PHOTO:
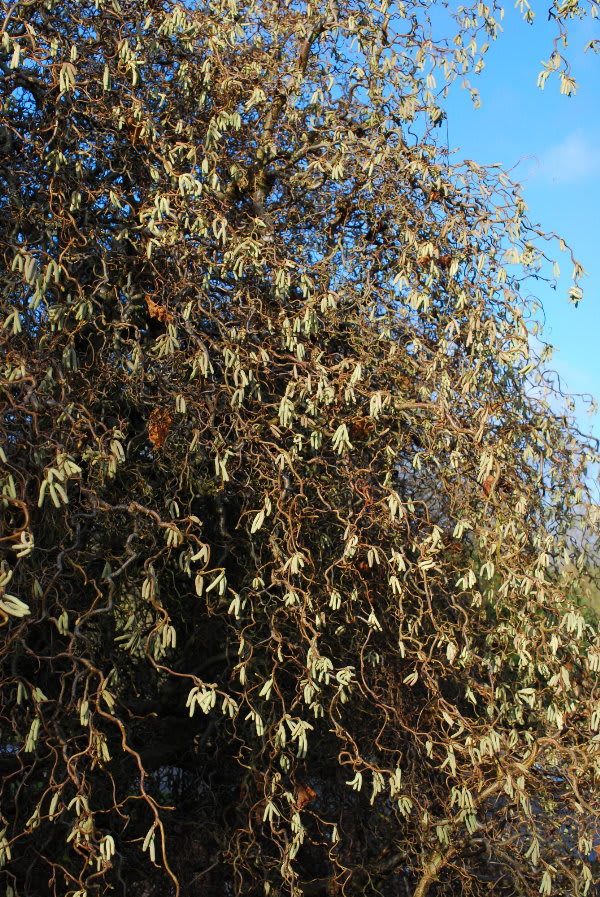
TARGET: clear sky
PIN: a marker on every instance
(554, 142)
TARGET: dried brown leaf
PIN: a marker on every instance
(158, 311)
(159, 424)
(304, 795)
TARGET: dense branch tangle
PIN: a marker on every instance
(286, 504)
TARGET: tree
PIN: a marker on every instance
(287, 502)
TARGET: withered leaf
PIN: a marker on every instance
(159, 424)
(361, 428)
(488, 484)
(158, 311)
(304, 796)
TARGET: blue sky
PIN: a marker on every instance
(552, 144)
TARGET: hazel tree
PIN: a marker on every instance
(293, 509)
